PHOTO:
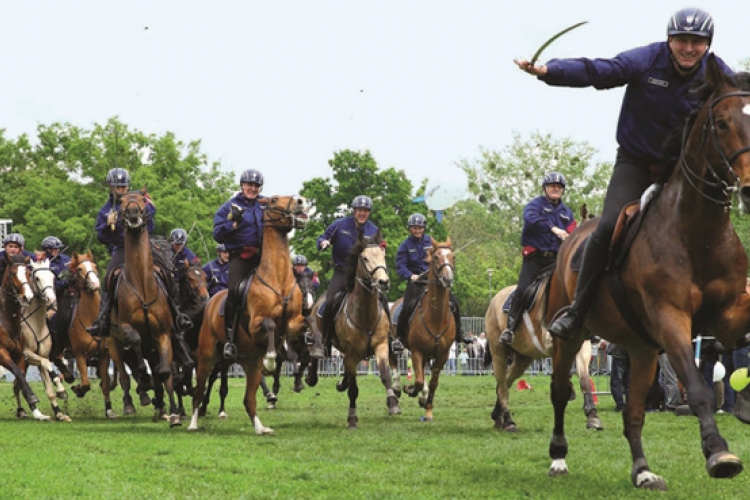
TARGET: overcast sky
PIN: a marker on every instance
(281, 85)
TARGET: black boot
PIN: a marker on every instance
(514, 313)
(460, 335)
(182, 321)
(569, 319)
(100, 328)
(182, 352)
(230, 313)
(401, 325)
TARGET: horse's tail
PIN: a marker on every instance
(487, 357)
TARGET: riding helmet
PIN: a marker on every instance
(251, 176)
(51, 242)
(299, 260)
(553, 178)
(220, 247)
(178, 236)
(15, 238)
(362, 201)
(118, 177)
(417, 220)
(691, 21)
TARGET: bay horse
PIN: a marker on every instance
(531, 342)
(432, 330)
(17, 294)
(37, 337)
(684, 274)
(141, 318)
(361, 325)
(272, 310)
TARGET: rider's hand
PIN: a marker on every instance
(560, 233)
(528, 68)
(112, 218)
(324, 244)
(235, 213)
(414, 277)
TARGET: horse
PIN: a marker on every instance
(37, 338)
(683, 273)
(272, 312)
(532, 341)
(361, 324)
(17, 294)
(431, 330)
(141, 318)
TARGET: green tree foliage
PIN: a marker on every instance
(503, 182)
(355, 173)
(56, 186)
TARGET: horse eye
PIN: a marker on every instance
(722, 125)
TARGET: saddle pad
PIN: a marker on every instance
(506, 304)
(397, 312)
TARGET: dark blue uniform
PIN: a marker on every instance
(540, 215)
(180, 259)
(410, 256)
(57, 265)
(217, 275)
(25, 253)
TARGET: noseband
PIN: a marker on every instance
(273, 214)
(40, 293)
(373, 285)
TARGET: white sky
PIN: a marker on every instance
(281, 85)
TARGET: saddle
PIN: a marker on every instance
(243, 287)
(532, 292)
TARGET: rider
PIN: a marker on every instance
(411, 266)
(547, 221)
(342, 235)
(182, 256)
(301, 271)
(13, 245)
(658, 77)
(58, 264)
(238, 224)
(217, 271)
(111, 232)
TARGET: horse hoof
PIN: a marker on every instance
(425, 419)
(69, 378)
(647, 480)
(145, 400)
(61, 417)
(62, 395)
(394, 410)
(311, 381)
(175, 420)
(192, 429)
(422, 403)
(510, 427)
(558, 468)
(723, 465)
(21, 414)
(594, 423)
(271, 398)
(223, 415)
(340, 387)
(298, 388)
(110, 415)
(270, 406)
(128, 410)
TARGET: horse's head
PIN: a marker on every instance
(725, 134)
(133, 209)
(43, 282)
(285, 212)
(196, 284)
(17, 279)
(85, 271)
(441, 262)
(367, 264)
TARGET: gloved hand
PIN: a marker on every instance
(112, 219)
(414, 277)
(235, 214)
(324, 244)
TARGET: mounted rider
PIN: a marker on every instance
(217, 271)
(412, 268)
(58, 320)
(238, 224)
(182, 256)
(13, 244)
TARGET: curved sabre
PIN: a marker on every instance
(552, 39)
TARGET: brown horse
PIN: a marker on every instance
(532, 341)
(272, 312)
(141, 319)
(361, 324)
(683, 274)
(85, 347)
(431, 330)
(17, 294)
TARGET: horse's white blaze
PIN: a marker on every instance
(646, 477)
(92, 279)
(260, 429)
(28, 294)
(308, 301)
(746, 109)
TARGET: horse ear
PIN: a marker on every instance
(448, 242)
(714, 75)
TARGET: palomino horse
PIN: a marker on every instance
(141, 318)
(361, 324)
(431, 330)
(532, 341)
(272, 312)
(17, 294)
(37, 338)
(85, 347)
(684, 273)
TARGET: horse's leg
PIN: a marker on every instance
(165, 378)
(210, 383)
(104, 383)
(253, 372)
(269, 360)
(133, 340)
(49, 387)
(391, 400)
(205, 367)
(21, 385)
(514, 372)
(720, 463)
(561, 388)
(81, 389)
(417, 363)
(642, 372)
(437, 367)
(223, 391)
(501, 413)
(583, 359)
(268, 393)
(127, 400)
(311, 378)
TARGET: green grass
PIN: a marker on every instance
(313, 455)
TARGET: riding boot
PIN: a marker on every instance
(181, 320)
(513, 315)
(100, 328)
(460, 335)
(230, 311)
(314, 342)
(401, 326)
(328, 316)
(182, 352)
(569, 319)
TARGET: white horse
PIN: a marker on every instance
(37, 339)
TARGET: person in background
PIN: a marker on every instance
(13, 244)
(182, 256)
(217, 271)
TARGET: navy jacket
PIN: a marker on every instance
(539, 217)
(410, 256)
(308, 273)
(25, 253)
(57, 265)
(185, 255)
(343, 235)
(656, 100)
(249, 231)
(217, 276)
(116, 239)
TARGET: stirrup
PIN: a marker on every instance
(565, 323)
(183, 322)
(397, 346)
(507, 336)
(309, 339)
(230, 351)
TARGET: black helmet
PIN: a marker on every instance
(362, 201)
(252, 176)
(553, 178)
(118, 177)
(51, 242)
(178, 236)
(299, 260)
(220, 247)
(417, 220)
(691, 21)
(15, 238)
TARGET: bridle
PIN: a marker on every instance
(372, 285)
(273, 214)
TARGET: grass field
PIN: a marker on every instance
(313, 455)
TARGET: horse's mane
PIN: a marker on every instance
(351, 268)
(701, 92)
